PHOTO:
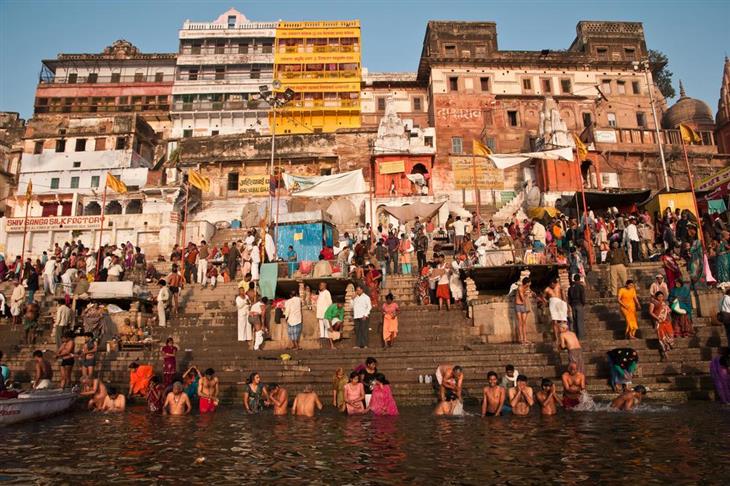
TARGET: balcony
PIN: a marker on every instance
(319, 75)
(612, 138)
(106, 79)
(90, 108)
(228, 77)
(243, 105)
(316, 49)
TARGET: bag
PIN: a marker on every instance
(676, 307)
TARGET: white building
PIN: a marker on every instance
(220, 66)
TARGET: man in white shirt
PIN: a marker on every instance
(63, 321)
(632, 240)
(269, 247)
(538, 232)
(459, 232)
(324, 300)
(163, 297)
(361, 308)
(49, 284)
(293, 314)
(107, 261)
(115, 270)
(17, 301)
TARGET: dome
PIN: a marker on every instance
(688, 110)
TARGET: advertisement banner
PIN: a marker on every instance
(253, 185)
(713, 181)
(47, 223)
(392, 167)
(487, 174)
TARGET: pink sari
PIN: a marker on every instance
(353, 392)
(382, 401)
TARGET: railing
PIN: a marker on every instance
(322, 103)
(319, 74)
(213, 50)
(254, 105)
(212, 26)
(87, 108)
(317, 49)
(90, 79)
(213, 76)
(644, 136)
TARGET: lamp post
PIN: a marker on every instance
(645, 65)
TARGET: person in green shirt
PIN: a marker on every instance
(334, 316)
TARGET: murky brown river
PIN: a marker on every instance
(677, 444)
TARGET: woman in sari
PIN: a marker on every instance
(155, 396)
(721, 378)
(681, 309)
(354, 395)
(254, 394)
(722, 262)
(372, 281)
(623, 363)
(660, 312)
(629, 302)
(671, 267)
(169, 362)
(382, 401)
(190, 382)
(696, 262)
(338, 389)
(390, 321)
(405, 248)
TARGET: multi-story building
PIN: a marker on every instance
(119, 80)
(408, 95)
(11, 134)
(723, 110)
(220, 67)
(320, 62)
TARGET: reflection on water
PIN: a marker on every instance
(682, 443)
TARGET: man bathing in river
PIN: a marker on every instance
(177, 402)
(43, 371)
(114, 401)
(208, 391)
(278, 398)
(629, 399)
(569, 341)
(450, 379)
(95, 389)
(574, 383)
(547, 398)
(493, 397)
(306, 403)
(520, 397)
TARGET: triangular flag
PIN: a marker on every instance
(478, 148)
(29, 191)
(197, 180)
(115, 184)
(689, 136)
(580, 147)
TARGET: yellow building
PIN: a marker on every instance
(320, 61)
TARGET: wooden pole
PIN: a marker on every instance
(28, 200)
(477, 196)
(372, 209)
(101, 232)
(694, 197)
(185, 217)
(278, 204)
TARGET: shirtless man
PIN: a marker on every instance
(43, 371)
(557, 309)
(177, 402)
(522, 308)
(95, 390)
(450, 379)
(306, 402)
(114, 401)
(66, 355)
(208, 391)
(629, 399)
(520, 397)
(569, 341)
(574, 383)
(279, 399)
(493, 397)
(547, 399)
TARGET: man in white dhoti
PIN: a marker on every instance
(243, 304)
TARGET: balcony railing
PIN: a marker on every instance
(226, 50)
(213, 76)
(643, 136)
(88, 108)
(319, 74)
(106, 79)
(320, 103)
(254, 105)
(316, 49)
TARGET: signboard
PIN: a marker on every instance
(713, 181)
(487, 175)
(392, 167)
(253, 185)
(47, 223)
(605, 136)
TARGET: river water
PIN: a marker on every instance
(675, 444)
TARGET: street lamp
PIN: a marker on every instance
(645, 65)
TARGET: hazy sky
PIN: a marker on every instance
(694, 34)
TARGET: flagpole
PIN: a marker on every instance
(185, 215)
(25, 229)
(477, 196)
(278, 204)
(694, 196)
(101, 229)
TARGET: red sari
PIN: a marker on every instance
(372, 280)
(671, 269)
(169, 365)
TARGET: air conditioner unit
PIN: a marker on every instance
(609, 180)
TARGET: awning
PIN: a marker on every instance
(605, 200)
(408, 213)
(342, 184)
(504, 161)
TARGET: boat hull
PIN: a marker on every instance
(35, 405)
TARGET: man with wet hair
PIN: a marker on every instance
(520, 397)
(493, 396)
(629, 399)
(177, 402)
(547, 399)
(114, 401)
(450, 379)
(279, 398)
(574, 383)
(208, 391)
(306, 403)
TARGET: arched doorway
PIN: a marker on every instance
(419, 177)
(114, 207)
(134, 206)
(92, 209)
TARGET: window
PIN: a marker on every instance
(587, 120)
(481, 51)
(192, 74)
(220, 72)
(116, 77)
(325, 171)
(72, 78)
(220, 47)
(636, 87)
(565, 86)
(80, 144)
(621, 87)
(255, 72)
(92, 78)
(38, 147)
(195, 48)
(55, 182)
(428, 141)
(547, 86)
(213, 133)
(641, 119)
(231, 21)
(454, 84)
(121, 143)
(139, 77)
(187, 133)
(612, 120)
(450, 50)
(457, 145)
(159, 77)
(232, 181)
(606, 86)
(629, 53)
(484, 83)
(417, 104)
(100, 144)
(513, 119)
(94, 181)
(381, 104)
(243, 48)
(527, 84)
(602, 53)
(266, 48)
(75, 182)
(60, 145)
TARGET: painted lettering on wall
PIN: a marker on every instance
(15, 225)
(458, 113)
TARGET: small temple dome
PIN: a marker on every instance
(688, 110)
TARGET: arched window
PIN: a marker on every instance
(114, 207)
(134, 206)
(92, 209)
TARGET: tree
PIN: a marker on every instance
(662, 76)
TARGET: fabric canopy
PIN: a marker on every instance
(716, 206)
(342, 184)
(504, 161)
(409, 213)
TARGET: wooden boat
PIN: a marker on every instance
(36, 404)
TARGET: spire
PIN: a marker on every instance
(682, 94)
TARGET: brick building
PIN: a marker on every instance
(723, 111)
(11, 149)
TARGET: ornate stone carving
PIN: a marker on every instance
(392, 136)
(552, 131)
(121, 49)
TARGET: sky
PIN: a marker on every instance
(694, 34)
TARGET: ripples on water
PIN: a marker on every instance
(677, 444)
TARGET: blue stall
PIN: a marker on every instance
(306, 231)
